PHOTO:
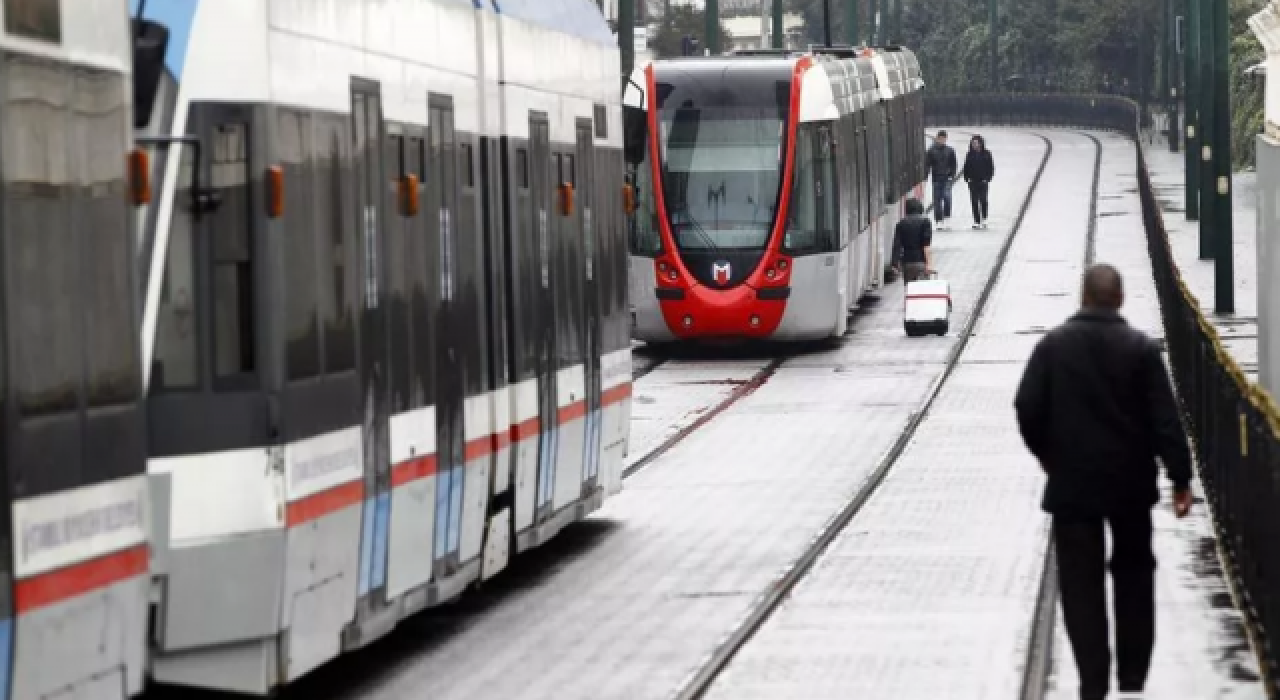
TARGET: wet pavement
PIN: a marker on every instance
(1239, 331)
(930, 591)
(1201, 648)
(674, 561)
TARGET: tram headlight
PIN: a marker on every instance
(671, 275)
(782, 264)
(688, 322)
(770, 273)
(755, 321)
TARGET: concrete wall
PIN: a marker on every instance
(1269, 264)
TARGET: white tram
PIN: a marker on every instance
(384, 330)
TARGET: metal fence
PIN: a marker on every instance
(1234, 424)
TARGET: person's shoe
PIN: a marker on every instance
(976, 226)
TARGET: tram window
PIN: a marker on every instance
(43, 264)
(600, 118)
(418, 159)
(468, 165)
(175, 362)
(812, 224)
(302, 343)
(99, 105)
(233, 327)
(334, 206)
(395, 146)
(522, 168)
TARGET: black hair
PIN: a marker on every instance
(914, 207)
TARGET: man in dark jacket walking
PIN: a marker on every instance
(911, 240)
(1096, 408)
(940, 162)
(979, 169)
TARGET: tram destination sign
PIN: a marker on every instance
(34, 19)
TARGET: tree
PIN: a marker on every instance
(683, 21)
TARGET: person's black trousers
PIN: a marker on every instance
(978, 200)
(1081, 551)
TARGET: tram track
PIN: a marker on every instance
(653, 362)
(700, 681)
(1039, 663)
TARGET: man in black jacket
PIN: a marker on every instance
(978, 170)
(940, 162)
(911, 240)
(1096, 408)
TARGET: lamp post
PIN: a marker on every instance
(1223, 267)
(627, 37)
(992, 12)
(1191, 100)
(1207, 122)
(713, 27)
(779, 37)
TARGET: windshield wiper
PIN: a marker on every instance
(697, 228)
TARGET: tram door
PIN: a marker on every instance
(366, 117)
(541, 176)
(450, 443)
(591, 302)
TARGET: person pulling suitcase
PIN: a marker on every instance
(911, 240)
(979, 169)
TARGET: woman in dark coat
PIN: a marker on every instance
(978, 170)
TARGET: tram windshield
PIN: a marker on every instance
(721, 173)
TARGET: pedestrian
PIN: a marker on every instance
(911, 240)
(940, 162)
(1096, 409)
(979, 169)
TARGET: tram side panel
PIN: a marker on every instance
(74, 611)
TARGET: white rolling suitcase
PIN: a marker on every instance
(928, 307)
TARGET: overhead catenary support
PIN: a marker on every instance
(851, 28)
(779, 32)
(994, 29)
(895, 36)
(1191, 107)
(1205, 127)
(627, 38)
(713, 27)
(1223, 239)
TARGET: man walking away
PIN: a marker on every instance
(911, 240)
(940, 162)
(979, 169)
(1096, 408)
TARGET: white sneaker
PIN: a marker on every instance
(977, 226)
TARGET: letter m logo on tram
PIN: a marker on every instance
(720, 272)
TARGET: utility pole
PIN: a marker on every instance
(850, 22)
(1206, 125)
(627, 37)
(779, 33)
(713, 27)
(895, 36)
(1162, 54)
(1172, 56)
(1191, 102)
(1224, 299)
(992, 12)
